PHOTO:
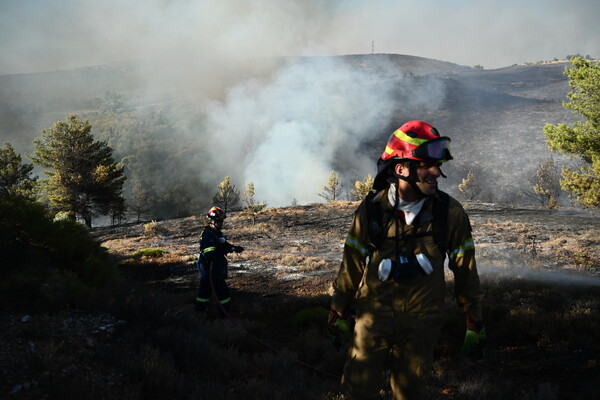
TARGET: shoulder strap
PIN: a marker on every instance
(374, 222)
(440, 220)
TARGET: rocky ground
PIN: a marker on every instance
(294, 253)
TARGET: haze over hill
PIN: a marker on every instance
(287, 122)
(209, 38)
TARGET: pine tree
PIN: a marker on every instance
(15, 176)
(228, 197)
(333, 189)
(83, 178)
(582, 139)
(252, 207)
(546, 184)
(469, 186)
(141, 200)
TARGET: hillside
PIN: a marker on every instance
(142, 338)
(494, 117)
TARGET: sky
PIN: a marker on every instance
(47, 35)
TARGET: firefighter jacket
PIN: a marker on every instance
(418, 295)
(213, 249)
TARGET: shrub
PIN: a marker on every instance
(470, 186)
(149, 253)
(22, 224)
(157, 372)
(151, 228)
(39, 253)
(362, 188)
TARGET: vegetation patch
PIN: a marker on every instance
(149, 253)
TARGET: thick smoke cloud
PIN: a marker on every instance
(314, 116)
(38, 35)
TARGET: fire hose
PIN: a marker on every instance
(300, 253)
(330, 256)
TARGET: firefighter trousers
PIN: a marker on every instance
(209, 283)
(400, 343)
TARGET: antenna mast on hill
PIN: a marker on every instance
(372, 46)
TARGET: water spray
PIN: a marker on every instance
(554, 277)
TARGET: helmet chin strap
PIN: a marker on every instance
(412, 177)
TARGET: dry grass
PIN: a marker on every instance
(542, 335)
(280, 350)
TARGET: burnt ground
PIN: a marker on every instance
(291, 257)
(297, 250)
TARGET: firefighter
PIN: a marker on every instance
(395, 281)
(212, 263)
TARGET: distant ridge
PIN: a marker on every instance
(414, 65)
(409, 64)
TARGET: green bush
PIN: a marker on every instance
(149, 253)
(22, 225)
(39, 253)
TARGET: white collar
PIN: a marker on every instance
(410, 208)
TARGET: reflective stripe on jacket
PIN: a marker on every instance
(358, 276)
(213, 249)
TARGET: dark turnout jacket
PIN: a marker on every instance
(213, 250)
(418, 295)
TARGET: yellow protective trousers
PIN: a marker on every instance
(400, 343)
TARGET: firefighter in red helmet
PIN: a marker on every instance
(392, 271)
(415, 143)
(212, 263)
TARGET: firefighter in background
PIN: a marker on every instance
(212, 263)
(397, 283)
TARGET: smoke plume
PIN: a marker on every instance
(313, 116)
(283, 127)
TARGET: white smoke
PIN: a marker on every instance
(286, 136)
(46, 35)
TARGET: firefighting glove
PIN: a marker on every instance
(338, 329)
(237, 249)
(475, 338)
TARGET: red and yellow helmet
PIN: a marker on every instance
(216, 213)
(417, 140)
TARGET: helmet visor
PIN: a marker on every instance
(434, 150)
